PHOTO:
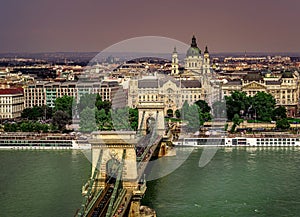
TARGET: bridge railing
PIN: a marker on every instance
(116, 187)
(86, 203)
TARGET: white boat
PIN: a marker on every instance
(239, 141)
(41, 141)
(196, 142)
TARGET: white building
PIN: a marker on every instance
(194, 61)
(11, 103)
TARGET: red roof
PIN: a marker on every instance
(9, 91)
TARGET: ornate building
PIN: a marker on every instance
(11, 103)
(173, 93)
(194, 62)
(284, 88)
(191, 85)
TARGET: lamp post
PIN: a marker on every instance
(250, 108)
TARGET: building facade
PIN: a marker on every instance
(284, 88)
(45, 93)
(173, 93)
(191, 85)
(11, 103)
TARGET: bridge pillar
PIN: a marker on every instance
(149, 112)
(110, 145)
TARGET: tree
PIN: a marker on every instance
(33, 113)
(282, 124)
(65, 104)
(191, 115)
(263, 104)
(87, 120)
(236, 103)
(86, 101)
(26, 126)
(120, 118)
(60, 120)
(236, 122)
(103, 120)
(100, 104)
(203, 106)
(134, 118)
(10, 127)
(279, 113)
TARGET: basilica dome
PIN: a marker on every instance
(193, 50)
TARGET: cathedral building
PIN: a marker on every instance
(190, 85)
(194, 63)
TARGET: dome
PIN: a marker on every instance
(193, 50)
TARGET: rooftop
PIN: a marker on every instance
(11, 91)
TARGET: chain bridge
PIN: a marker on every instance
(119, 160)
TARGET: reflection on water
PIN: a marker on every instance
(236, 182)
(41, 182)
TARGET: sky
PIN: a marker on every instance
(94, 25)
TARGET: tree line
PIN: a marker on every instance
(259, 108)
(95, 114)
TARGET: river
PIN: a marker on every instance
(236, 182)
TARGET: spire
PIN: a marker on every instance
(206, 50)
(175, 51)
(194, 43)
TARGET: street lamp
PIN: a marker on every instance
(250, 108)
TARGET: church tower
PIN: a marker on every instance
(175, 70)
(206, 61)
(193, 60)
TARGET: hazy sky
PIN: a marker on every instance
(93, 25)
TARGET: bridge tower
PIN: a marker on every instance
(151, 116)
(108, 150)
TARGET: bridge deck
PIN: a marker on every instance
(100, 207)
(117, 204)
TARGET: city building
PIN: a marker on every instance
(173, 93)
(45, 93)
(194, 63)
(284, 88)
(191, 84)
(11, 103)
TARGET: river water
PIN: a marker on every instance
(236, 182)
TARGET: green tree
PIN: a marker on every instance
(87, 120)
(279, 113)
(86, 101)
(65, 104)
(100, 104)
(282, 124)
(192, 116)
(60, 120)
(236, 103)
(236, 122)
(120, 118)
(103, 120)
(10, 127)
(134, 118)
(33, 113)
(27, 126)
(263, 104)
(203, 106)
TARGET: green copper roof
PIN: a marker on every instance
(193, 50)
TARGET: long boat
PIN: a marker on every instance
(282, 141)
(41, 141)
